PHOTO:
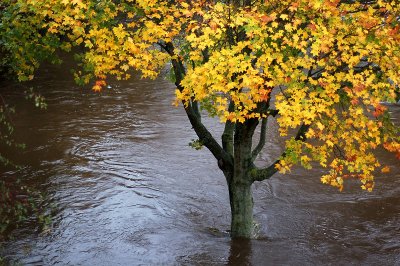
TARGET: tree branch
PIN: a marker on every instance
(227, 135)
(225, 160)
(273, 112)
(261, 142)
(265, 173)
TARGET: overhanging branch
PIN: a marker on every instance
(192, 112)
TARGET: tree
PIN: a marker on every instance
(320, 68)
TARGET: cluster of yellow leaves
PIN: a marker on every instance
(322, 64)
(323, 59)
(119, 37)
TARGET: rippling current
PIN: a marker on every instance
(126, 189)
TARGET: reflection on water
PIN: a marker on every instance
(128, 190)
(240, 252)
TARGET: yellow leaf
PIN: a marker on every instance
(96, 88)
(79, 40)
(284, 16)
(330, 143)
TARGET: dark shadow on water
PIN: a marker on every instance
(240, 252)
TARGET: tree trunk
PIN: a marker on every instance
(241, 201)
(241, 198)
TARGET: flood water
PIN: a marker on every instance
(126, 189)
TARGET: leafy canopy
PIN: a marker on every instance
(324, 66)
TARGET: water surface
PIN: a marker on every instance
(128, 190)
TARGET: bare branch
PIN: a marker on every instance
(272, 112)
(265, 173)
(227, 135)
(261, 142)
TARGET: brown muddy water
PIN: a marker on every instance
(126, 189)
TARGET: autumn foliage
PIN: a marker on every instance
(322, 67)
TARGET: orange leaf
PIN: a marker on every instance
(385, 169)
(266, 19)
(379, 110)
(213, 25)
